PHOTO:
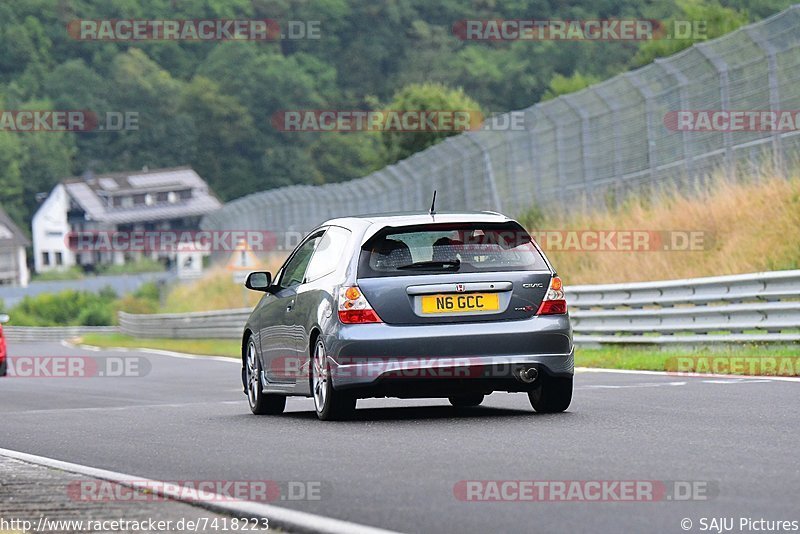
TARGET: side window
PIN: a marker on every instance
(329, 253)
(295, 270)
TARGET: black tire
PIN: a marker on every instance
(466, 401)
(260, 403)
(330, 404)
(552, 394)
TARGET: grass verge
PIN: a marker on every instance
(205, 347)
(762, 360)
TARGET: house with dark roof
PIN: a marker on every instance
(122, 203)
(13, 259)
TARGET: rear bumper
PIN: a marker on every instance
(473, 356)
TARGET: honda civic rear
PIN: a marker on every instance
(453, 305)
(451, 309)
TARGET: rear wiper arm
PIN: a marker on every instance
(445, 264)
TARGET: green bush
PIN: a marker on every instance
(96, 315)
(66, 308)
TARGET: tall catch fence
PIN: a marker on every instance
(588, 149)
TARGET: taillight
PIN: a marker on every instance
(554, 302)
(354, 308)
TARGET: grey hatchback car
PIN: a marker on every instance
(450, 305)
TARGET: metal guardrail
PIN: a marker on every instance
(220, 324)
(29, 334)
(758, 307)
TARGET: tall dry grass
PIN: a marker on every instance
(216, 290)
(747, 227)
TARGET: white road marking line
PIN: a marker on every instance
(170, 353)
(684, 375)
(642, 385)
(278, 516)
(119, 408)
(737, 381)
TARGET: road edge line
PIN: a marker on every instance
(683, 375)
(293, 520)
(161, 352)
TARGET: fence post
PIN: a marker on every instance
(774, 93)
(560, 172)
(647, 94)
(588, 170)
(615, 121)
(535, 148)
(464, 157)
(487, 167)
(683, 81)
(725, 99)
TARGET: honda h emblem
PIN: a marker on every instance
(460, 288)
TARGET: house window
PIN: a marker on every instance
(45, 258)
(59, 258)
(127, 202)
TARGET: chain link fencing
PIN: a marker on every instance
(586, 150)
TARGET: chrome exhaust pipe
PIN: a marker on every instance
(528, 375)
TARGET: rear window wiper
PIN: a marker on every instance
(422, 265)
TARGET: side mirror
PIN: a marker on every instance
(258, 281)
(4, 318)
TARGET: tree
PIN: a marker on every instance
(562, 85)
(423, 97)
(718, 21)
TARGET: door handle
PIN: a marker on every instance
(290, 306)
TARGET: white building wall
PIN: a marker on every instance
(50, 229)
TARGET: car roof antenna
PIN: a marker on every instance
(433, 204)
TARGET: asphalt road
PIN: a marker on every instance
(396, 465)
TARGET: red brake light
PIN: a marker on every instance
(354, 307)
(554, 302)
(359, 316)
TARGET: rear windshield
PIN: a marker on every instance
(448, 248)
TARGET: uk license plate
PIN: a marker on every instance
(466, 303)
